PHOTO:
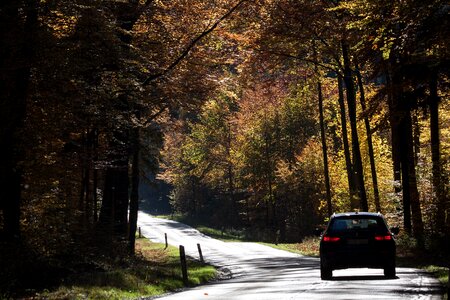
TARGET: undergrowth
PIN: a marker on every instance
(154, 270)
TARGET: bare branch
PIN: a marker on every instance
(192, 44)
(330, 67)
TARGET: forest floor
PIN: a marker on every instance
(155, 270)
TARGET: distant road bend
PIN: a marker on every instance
(261, 272)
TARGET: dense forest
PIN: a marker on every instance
(267, 115)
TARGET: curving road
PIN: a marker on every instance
(261, 272)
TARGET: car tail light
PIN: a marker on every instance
(331, 239)
(383, 237)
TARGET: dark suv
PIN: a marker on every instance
(357, 240)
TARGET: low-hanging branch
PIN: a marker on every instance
(192, 44)
(329, 67)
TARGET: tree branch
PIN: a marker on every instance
(192, 44)
(288, 55)
(155, 115)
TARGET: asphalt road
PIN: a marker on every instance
(261, 272)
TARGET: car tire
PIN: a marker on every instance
(325, 273)
(389, 271)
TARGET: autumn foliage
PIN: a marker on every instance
(261, 115)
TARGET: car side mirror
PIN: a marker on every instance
(395, 230)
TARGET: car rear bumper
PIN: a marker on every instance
(343, 260)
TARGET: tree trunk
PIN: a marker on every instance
(392, 95)
(114, 210)
(269, 170)
(406, 191)
(351, 102)
(409, 182)
(134, 196)
(369, 141)
(400, 142)
(324, 150)
(95, 176)
(416, 137)
(438, 186)
(230, 173)
(348, 160)
(18, 21)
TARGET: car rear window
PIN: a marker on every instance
(352, 224)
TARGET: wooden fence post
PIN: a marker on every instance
(140, 233)
(200, 253)
(165, 237)
(183, 265)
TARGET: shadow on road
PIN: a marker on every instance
(362, 277)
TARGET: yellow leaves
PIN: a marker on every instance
(61, 25)
(284, 171)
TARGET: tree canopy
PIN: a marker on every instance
(258, 114)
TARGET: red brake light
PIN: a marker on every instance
(331, 239)
(383, 237)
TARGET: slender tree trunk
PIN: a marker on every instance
(439, 195)
(351, 102)
(134, 196)
(416, 137)
(234, 210)
(231, 188)
(323, 136)
(269, 183)
(95, 176)
(324, 150)
(392, 95)
(409, 175)
(269, 170)
(87, 181)
(194, 196)
(95, 196)
(406, 190)
(348, 160)
(86, 158)
(400, 141)
(373, 170)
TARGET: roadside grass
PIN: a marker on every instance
(308, 247)
(434, 260)
(155, 271)
(225, 234)
(427, 264)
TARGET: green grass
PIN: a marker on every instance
(226, 235)
(156, 271)
(439, 272)
(223, 235)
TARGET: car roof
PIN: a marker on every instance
(362, 214)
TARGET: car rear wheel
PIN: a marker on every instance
(325, 273)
